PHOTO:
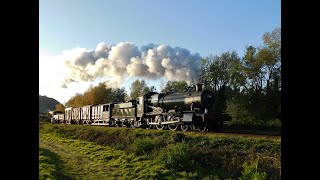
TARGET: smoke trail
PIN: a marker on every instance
(126, 60)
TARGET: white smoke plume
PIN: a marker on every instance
(126, 60)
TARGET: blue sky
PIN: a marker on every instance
(203, 26)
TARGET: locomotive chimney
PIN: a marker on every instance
(198, 87)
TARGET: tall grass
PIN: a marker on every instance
(182, 155)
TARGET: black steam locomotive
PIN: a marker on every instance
(186, 111)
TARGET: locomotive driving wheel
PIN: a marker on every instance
(202, 128)
(184, 127)
(159, 119)
(160, 127)
(173, 127)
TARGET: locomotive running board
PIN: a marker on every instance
(170, 122)
(100, 124)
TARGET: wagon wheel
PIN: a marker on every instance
(124, 123)
(173, 127)
(184, 127)
(117, 123)
(132, 124)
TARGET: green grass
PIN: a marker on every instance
(86, 160)
(50, 165)
(87, 152)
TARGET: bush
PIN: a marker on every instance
(144, 146)
(274, 123)
(271, 125)
(250, 171)
(177, 137)
(176, 157)
(43, 118)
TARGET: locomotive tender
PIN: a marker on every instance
(185, 110)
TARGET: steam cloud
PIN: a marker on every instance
(126, 60)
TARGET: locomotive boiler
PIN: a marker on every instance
(185, 100)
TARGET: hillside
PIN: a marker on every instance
(46, 103)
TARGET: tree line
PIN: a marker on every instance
(247, 88)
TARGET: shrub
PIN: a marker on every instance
(177, 137)
(250, 171)
(43, 118)
(176, 157)
(274, 123)
(144, 146)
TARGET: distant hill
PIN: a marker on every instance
(46, 104)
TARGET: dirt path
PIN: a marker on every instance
(76, 165)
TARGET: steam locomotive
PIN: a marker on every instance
(186, 111)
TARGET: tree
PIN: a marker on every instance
(59, 107)
(253, 69)
(270, 54)
(99, 94)
(139, 88)
(219, 73)
(249, 86)
(75, 101)
(220, 70)
(119, 95)
(175, 86)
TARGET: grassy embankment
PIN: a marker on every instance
(85, 152)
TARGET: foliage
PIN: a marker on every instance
(247, 88)
(139, 88)
(144, 146)
(176, 156)
(250, 172)
(272, 127)
(182, 155)
(99, 94)
(175, 86)
(44, 118)
(59, 107)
